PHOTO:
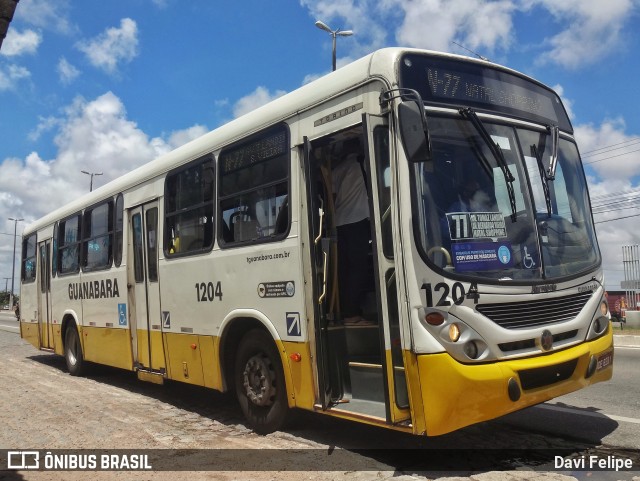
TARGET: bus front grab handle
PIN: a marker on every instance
(324, 278)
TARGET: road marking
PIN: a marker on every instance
(553, 407)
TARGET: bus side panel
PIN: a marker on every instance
(28, 318)
(303, 390)
(110, 346)
(185, 361)
(209, 350)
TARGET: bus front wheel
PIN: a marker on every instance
(260, 384)
(76, 364)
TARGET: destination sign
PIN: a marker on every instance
(263, 148)
(452, 81)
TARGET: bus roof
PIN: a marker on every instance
(379, 64)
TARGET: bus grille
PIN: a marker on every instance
(514, 315)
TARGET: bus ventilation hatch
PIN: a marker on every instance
(514, 315)
(544, 376)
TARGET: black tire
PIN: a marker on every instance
(76, 365)
(260, 384)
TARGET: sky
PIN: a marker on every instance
(108, 86)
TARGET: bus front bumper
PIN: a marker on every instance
(456, 395)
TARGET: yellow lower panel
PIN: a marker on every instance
(57, 339)
(29, 332)
(209, 352)
(185, 361)
(455, 395)
(106, 345)
(302, 389)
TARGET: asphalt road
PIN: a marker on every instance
(606, 413)
(603, 419)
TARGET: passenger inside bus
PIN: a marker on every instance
(354, 232)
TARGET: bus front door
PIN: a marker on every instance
(358, 346)
(144, 289)
(45, 326)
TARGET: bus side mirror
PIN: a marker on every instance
(414, 131)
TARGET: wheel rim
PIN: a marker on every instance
(71, 352)
(259, 380)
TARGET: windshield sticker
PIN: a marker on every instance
(476, 225)
(503, 142)
(482, 256)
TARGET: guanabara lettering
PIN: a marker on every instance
(103, 289)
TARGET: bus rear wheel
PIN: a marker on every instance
(76, 364)
(260, 385)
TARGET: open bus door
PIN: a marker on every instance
(144, 291)
(45, 326)
(379, 178)
(359, 369)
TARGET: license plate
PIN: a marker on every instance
(604, 360)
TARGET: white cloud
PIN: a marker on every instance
(591, 29)
(66, 72)
(180, 137)
(477, 24)
(112, 47)
(46, 14)
(91, 135)
(568, 103)
(619, 162)
(259, 97)
(45, 124)
(584, 31)
(20, 43)
(608, 154)
(11, 75)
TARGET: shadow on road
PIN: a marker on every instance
(529, 439)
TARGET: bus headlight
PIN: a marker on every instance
(454, 332)
(600, 322)
(604, 308)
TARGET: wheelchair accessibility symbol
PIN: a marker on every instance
(122, 314)
(527, 260)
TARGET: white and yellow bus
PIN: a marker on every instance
(217, 264)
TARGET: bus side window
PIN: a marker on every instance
(254, 187)
(29, 258)
(68, 255)
(189, 208)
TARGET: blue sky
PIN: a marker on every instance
(107, 86)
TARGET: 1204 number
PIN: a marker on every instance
(207, 291)
(457, 291)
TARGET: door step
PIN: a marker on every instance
(155, 377)
(367, 382)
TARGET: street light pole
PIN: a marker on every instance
(13, 266)
(91, 174)
(334, 33)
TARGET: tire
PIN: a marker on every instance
(260, 384)
(76, 365)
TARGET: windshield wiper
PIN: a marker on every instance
(495, 149)
(543, 178)
(550, 174)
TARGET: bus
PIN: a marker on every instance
(218, 264)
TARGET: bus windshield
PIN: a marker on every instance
(493, 213)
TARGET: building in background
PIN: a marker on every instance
(7, 7)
